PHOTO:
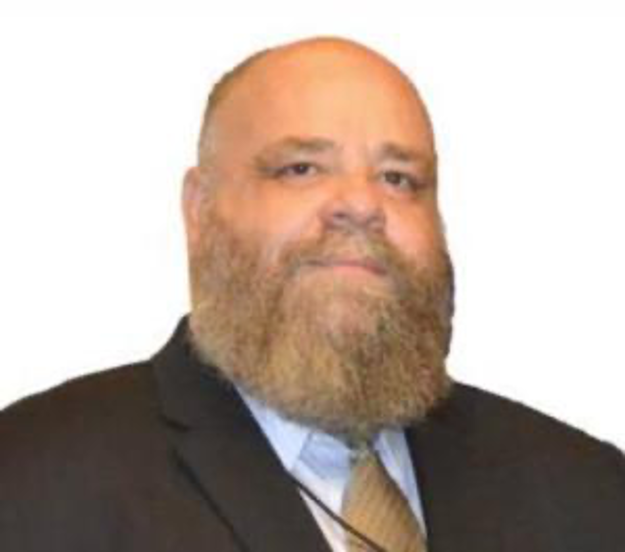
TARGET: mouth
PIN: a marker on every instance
(350, 265)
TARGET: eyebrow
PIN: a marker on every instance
(297, 144)
(396, 152)
(294, 145)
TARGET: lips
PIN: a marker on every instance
(368, 264)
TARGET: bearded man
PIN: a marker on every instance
(304, 403)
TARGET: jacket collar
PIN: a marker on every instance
(218, 442)
(477, 492)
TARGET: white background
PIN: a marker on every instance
(99, 114)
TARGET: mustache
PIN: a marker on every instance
(353, 247)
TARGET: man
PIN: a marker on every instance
(304, 403)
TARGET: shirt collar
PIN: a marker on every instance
(287, 437)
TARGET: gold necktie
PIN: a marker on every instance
(375, 506)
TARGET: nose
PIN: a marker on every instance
(354, 203)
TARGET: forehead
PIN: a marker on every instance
(346, 95)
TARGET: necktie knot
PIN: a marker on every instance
(360, 452)
(376, 507)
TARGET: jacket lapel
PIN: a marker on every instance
(475, 499)
(226, 454)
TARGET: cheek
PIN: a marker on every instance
(273, 220)
(417, 234)
(288, 223)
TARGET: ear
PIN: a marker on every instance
(193, 198)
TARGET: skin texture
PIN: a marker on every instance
(320, 278)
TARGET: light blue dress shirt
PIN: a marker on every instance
(321, 463)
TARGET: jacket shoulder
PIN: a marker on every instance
(57, 434)
(98, 398)
(504, 430)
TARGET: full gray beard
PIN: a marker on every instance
(349, 360)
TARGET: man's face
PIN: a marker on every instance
(308, 143)
(323, 200)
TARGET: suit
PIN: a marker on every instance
(163, 456)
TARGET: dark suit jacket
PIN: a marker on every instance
(163, 456)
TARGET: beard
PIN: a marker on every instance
(346, 357)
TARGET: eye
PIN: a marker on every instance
(401, 180)
(301, 168)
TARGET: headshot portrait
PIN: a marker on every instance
(356, 290)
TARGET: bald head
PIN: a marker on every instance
(298, 63)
